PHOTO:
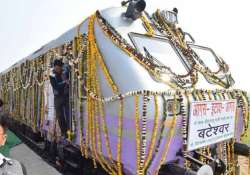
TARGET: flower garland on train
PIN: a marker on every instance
(176, 36)
(140, 162)
(227, 146)
(22, 89)
(177, 81)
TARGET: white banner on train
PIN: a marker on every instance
(210, 122)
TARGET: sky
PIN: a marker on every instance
(26, 25)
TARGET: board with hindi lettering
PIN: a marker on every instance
(210, 122)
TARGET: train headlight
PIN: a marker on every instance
(171, 109)
(205, 170)
(170, 17)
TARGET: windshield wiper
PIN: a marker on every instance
(151, 58)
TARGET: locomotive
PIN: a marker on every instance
(145, 98)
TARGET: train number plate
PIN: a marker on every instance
(210, 122)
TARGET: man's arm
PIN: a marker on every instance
(55, 84)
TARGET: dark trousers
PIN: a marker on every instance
(62, 113)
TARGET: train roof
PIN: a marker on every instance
(108, 13)
(70, 34)
(124, 27)
(65, 37)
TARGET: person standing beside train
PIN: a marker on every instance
(60, 84)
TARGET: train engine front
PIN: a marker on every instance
(144, 97)
(160, 102)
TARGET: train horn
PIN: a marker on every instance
(135, 8)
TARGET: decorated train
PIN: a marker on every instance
(144, 97)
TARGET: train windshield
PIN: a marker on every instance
(160, 49)
(207, 56)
